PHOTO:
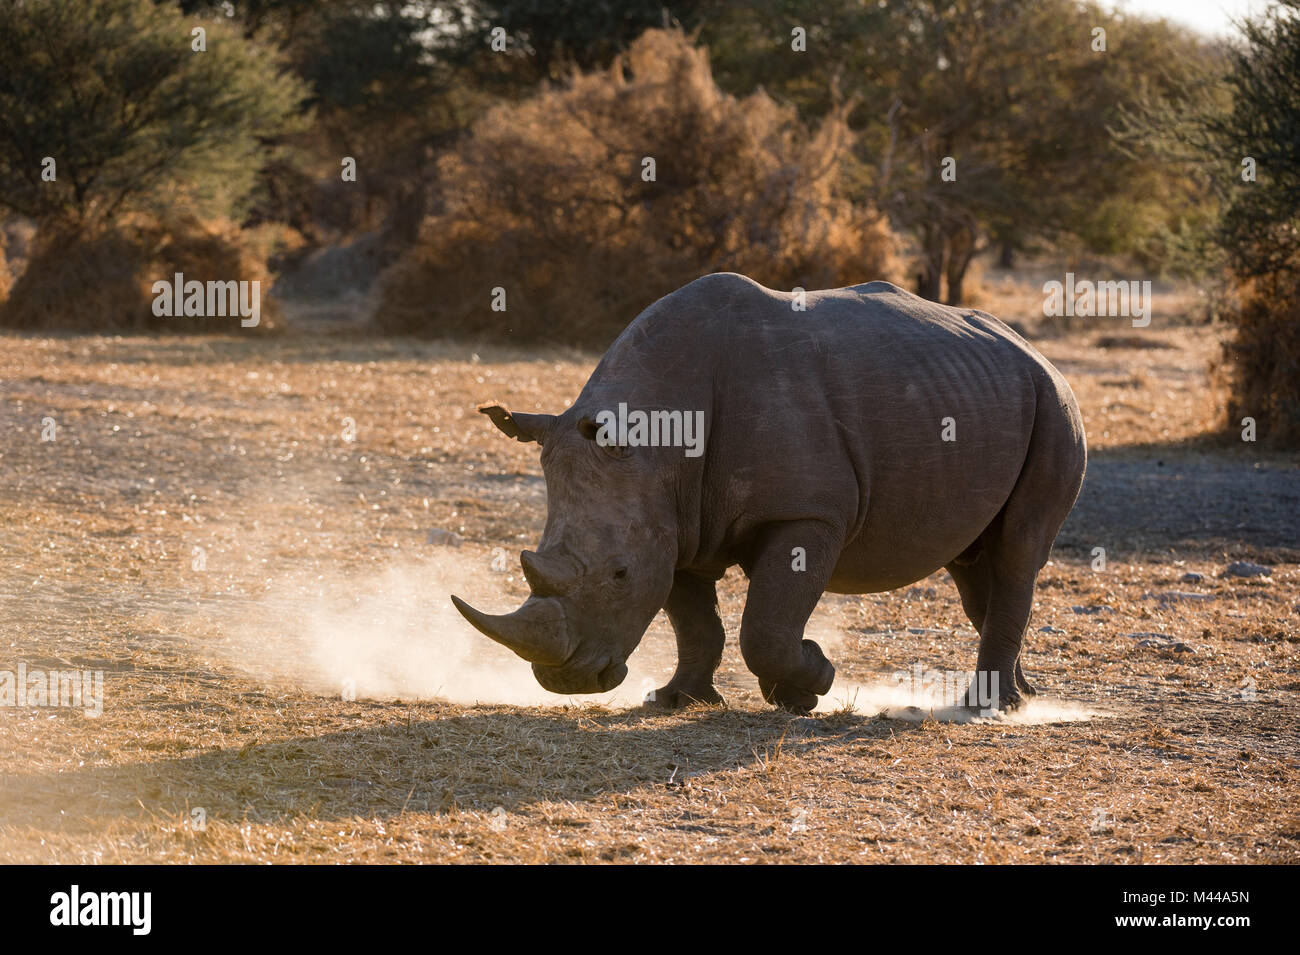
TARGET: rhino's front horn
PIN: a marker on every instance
(536, 631)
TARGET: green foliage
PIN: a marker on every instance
(1250, 236)
(1259, 230)
(1012, 91)
(1260, 226)
(134, 118)
(547, 38)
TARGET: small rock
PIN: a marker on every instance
(1158, 641)
(1191, 578)
(1091, 608)
(1049, 629)
(1179, 596)
(444, 538)
(1244, 568)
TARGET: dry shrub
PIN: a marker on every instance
(1261, 360)
(73, 281)
(101, 280)
(6, 278)
(545, 198)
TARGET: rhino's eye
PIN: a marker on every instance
(588, 428)
(620, 574)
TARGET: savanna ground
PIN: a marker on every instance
(236, 446)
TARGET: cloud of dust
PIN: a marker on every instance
(396, 635)
(906, 701)
(915, 694)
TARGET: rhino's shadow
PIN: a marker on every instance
(466, 761)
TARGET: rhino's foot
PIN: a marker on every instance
(1009, 704)
(976, 703)
(1023, 685)
(676, 695)
(788, 697)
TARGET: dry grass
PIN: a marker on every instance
(1261, 361)
(235, 445)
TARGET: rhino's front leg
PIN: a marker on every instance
(692, 609)
(787, 576)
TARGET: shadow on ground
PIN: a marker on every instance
(450, 760)
(1195, 497)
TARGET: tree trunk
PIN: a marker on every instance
(927, 284)
(954, 288)
(930, 277)
(1007, 256)
(961, 251)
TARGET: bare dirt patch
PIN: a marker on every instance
(202, 523)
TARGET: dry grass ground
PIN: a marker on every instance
(237, 447)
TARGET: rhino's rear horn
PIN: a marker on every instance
(536, 631)
(548, 575)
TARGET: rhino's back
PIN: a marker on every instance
(908, 420)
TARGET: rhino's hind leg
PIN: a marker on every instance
(975, 584)
(787, 575)
(1016, 546)
(692, 609)
(1010, 602)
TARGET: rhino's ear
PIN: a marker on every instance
(517, 425)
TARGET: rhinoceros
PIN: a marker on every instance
(855, 440)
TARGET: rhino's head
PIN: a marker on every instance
(605, 564)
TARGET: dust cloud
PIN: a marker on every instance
(915, 704)
(395, 635)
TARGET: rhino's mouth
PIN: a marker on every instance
(567, 679)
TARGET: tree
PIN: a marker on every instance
(1260, 225)
(1011, 98)
(1238, 138)
(545, 39)
(133, 117)
(386, 94)
(1259, 229)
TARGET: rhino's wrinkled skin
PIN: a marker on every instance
(825, 467)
